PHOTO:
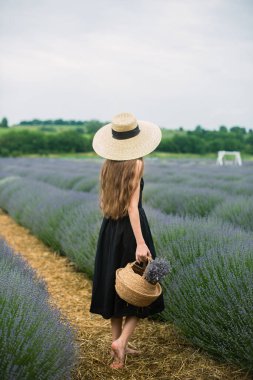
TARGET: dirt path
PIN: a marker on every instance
(166, 355)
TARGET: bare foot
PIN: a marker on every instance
(119, 352)
(130, 351)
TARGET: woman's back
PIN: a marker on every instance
(116, 247)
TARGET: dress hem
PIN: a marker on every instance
(124, 314)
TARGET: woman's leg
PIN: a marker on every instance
(120, 344)
(116, 324)
(128, 329)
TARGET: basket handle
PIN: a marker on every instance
(140, 267)
(149, 259)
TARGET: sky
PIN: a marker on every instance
(177, 63)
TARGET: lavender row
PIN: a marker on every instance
(209, 294)
(63, 219)
(65, 174)
(195, 187)
(36, 341)
(182, 200)
(238, 211)
(72, 174)
(211, 258)
(212, 261)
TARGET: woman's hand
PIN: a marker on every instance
(142, 253)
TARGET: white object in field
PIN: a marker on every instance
(222, 153)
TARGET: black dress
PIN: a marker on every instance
(115, 248)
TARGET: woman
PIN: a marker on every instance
(125, 235)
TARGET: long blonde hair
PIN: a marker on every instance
(118, 181)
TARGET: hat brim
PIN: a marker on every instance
(138, 146)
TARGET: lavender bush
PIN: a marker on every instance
(36, 341)
(209, 292)
(182, 200)
(64, 174)
(237, 211)
(67, 221)
(77, 235)
(211, 300)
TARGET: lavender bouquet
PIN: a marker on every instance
(156, 270)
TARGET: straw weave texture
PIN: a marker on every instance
(134, 289)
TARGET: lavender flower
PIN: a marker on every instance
(156, 270)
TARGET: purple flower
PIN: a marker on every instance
(156, 270)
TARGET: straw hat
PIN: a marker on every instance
(126, 138)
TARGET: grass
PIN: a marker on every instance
(84, 155)
(165, 155)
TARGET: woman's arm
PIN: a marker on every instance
(142, 250)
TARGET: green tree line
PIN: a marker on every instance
(90, 126)
(15, 141)
(203, 141)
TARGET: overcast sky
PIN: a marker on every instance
(173, 62)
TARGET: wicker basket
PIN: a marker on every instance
(134, 288)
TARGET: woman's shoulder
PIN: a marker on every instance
(139, 168)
